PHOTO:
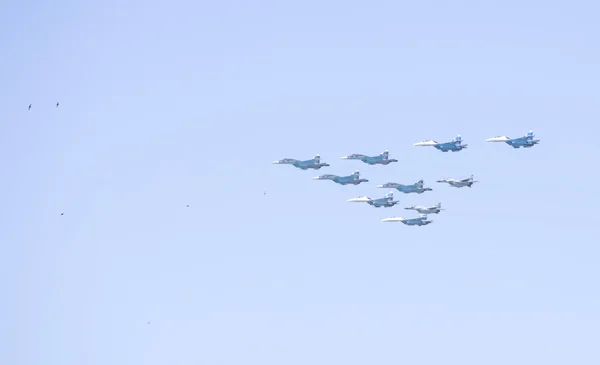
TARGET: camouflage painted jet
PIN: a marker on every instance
(407, 189)
(459, 183)
(455, 145)
(382, 159)
(353, 179)
(526, 141)
(314, 163)
(419, 221)
(387, 201)
(426, 210)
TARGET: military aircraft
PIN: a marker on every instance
(459, 183)
(353, 179)
(526, 141)
(314, 163)
(382, 159)
(455, 145)
(387, 201)
(419, 221)
(426, 210)
(407, 189)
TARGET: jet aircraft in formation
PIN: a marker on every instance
(314, 163)
(459, 183)
(387, 201)
(381, 159)
(435, 209)
(526, 141)
(406, 189)
(421, 220)
(353, 179)
(455, 145)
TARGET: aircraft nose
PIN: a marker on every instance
(344, 158)
(379, 186)
(316, 178)
(276, 162)
(358, 200)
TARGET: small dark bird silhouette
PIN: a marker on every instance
(29, 106)
(62, 213)
(188, 205)
(149, 322)
(57, 104)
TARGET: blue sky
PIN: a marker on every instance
(165, 104)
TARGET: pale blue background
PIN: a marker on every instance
(170, 103)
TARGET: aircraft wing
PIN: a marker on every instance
(446, 144)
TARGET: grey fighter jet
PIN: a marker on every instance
(382, 159)
(407, 189)
(387, 201)
(314, 163)
(426, 210)
(353, 179)
(419, 221)
(459, 183)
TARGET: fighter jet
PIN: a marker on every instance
(419, 221)
(426, 210)
(459, 183)
(382, 159)
(314, 163)
(526, 141)
(353, 179)
(455, 145)
(387, 201)
(407, 189)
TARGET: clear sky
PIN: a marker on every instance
(165, 104)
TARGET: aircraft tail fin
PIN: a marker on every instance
(317, 159)
(458, 139)
(439, 205)
(530, 135)
(389, 196)
(356, 173)
(385, 154)
(423, 216)
(420, 183)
